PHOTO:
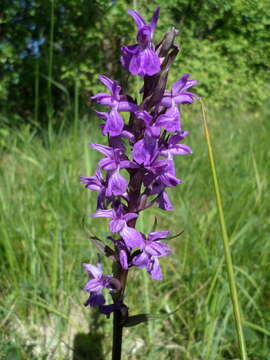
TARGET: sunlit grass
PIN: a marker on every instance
(44, 227)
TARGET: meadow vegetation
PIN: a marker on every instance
(44, 212)
(45, 232)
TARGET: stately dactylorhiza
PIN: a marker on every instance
(144, 148)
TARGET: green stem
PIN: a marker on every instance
(121, 275)
(227, 251)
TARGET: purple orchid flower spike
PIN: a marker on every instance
(152, 250)
(114, 123)
(137, 167)
(141, 58)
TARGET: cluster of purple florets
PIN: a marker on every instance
(144, 148)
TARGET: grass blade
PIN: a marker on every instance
(227, 252)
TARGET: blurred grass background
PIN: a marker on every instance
(44, 224)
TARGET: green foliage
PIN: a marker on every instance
(44, 229)
(224, 44)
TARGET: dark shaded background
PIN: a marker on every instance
(52, 50)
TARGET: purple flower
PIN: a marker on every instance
(178, 94)
(146, 149)
(172, 147)
(96, 284)
(113, 162)
(123, 252)
(170, 120)
(114, 123)
(118, 224)
(163, 201)
(96, 183)
(118, 305)
(108, 309)
(152, 250)
(141, 58)
(161, 172)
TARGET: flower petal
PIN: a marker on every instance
(133, 239)
(155, 18)
(114, 124)
(103, 213)
(95, 299)
(123, 259)
(179, 85)
(104, 149)
(92, 270)
(107, 82)
(117, 225)
(139, 20)
(117, 185)
(95, 285)
(163, 202)
(141, 260)
(155, 270)
(130, 216)
(145, 62)
(152, 236)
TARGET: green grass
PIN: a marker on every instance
(44, 231)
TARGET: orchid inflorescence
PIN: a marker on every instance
(145, 149)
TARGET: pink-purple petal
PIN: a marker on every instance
(180, 149)
(114, 124)
(141, 260)
(139, 20)
(133, 239)
(123, 259)
(103, 213)
(152, 236)
(104, 149)
(107, 164)
(93, 285)
(92, 270)
(155, 18)
(117, 225)
(155, 270)
(107, 82)
(130, 216)
(117, 184)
